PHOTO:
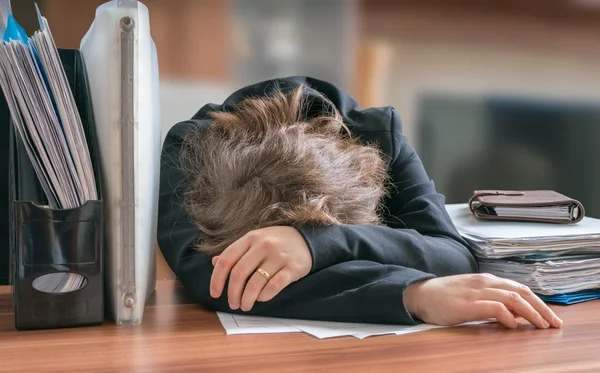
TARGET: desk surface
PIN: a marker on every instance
(179, 336)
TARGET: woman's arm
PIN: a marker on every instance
(418, 234)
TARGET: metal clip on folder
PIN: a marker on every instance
(122, 67)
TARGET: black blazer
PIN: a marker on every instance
(359, 273)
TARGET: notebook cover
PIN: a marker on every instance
(484, 199)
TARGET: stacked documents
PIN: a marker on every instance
(45, 115)
(549, 276)
(551, 259)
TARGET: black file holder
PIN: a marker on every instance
(47, 242)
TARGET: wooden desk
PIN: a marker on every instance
(177, 336)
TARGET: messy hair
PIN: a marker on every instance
(268, 163)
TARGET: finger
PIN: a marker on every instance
(228, 258)
(256, 284)
(546, 312)
(241, 274)
(539, 305)
(485, 309)
(277, 283)
(513, 301)
(214, 260)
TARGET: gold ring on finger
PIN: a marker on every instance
(264, 273)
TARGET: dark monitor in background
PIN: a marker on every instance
(469, 143)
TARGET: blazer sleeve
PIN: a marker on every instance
(418, 232)
(349, 285)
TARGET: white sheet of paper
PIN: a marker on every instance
(323, 329)
(326, 329)
(242, 324)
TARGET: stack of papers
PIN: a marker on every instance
(243, 324)
(45, 115)
(548, 276)
(504, 239)
(552, 259)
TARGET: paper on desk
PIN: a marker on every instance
(325, 329)
(243, 324)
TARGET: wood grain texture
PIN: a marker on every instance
(178, 336)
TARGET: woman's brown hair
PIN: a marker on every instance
(268, 163)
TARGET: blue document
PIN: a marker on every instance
(573, 298)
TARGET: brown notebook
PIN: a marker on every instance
(526, 205)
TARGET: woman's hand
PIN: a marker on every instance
(458, 299)
(279, 251)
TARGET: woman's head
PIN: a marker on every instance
(268, 163)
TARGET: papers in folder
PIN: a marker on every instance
(243, 324)
(554, 212)
(47, 122)
(60, 282)
(45, 115)
(551, 259)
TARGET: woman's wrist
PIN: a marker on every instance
(411, 299)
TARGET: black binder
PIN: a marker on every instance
(46, 242)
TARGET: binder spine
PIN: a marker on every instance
(128, 180)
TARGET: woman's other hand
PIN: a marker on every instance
(458, 299)
(279, 251)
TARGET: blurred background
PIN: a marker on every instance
(492, 94)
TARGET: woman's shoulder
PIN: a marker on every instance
(378, 125)
(181, 129)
